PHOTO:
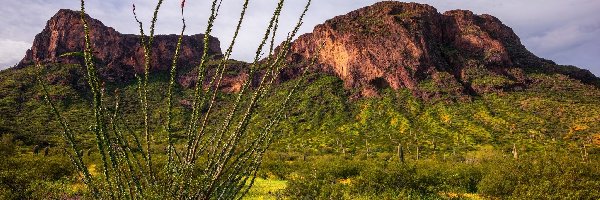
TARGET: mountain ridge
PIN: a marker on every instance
(454, 55)
(401, 45)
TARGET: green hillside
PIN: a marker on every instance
(541, 141)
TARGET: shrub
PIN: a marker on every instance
(550, 176)
(20, 175)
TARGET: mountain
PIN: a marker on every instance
(404, 103)
(410, 45)
(117, 54)
(455, 55)
(389, 48)
(396, 52)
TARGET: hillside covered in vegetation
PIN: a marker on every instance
(403, 103)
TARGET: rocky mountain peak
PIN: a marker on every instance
(118, 55)
(410, 45)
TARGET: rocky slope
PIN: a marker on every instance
(116, 53)
(410, 45)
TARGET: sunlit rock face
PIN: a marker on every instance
(413, 46)
(117, 55)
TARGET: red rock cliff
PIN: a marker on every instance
(410, 45)
(117, 54)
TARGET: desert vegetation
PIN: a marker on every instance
(219, 163)
(349, 150)
(68, 134)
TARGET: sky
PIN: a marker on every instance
(566, 31)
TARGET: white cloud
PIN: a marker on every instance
(563, 37)
(11, 52)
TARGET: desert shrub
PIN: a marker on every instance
(7, 146)
(312, 188)
(443, 176)
(273, 169)
(425, 178)
(326, 177)
(20, 174)
(550, 176)
(382, 179)
(60, 189)
(386, 179)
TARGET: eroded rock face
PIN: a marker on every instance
(410, 45)
(117, 55)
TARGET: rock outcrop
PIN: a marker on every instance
(410, 45)
(116, 54)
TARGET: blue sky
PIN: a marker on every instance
(566, 31)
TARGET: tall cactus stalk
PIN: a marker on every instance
(132, 168)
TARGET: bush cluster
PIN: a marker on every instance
(536, 176)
